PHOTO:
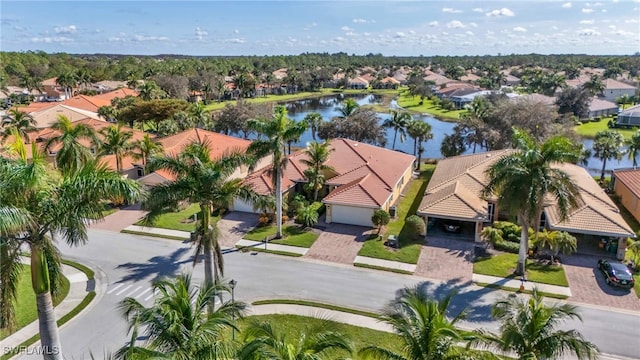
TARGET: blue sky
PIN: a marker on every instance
(293, 27)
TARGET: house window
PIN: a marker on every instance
(543, 221)
(140, 172)
(491, 209)
(93, 151)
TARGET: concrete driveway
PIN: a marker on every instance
(339, 243)
(120, 219)
(234, 225)
(446, 258)
(588, 285)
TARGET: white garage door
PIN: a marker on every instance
(351, 215)
(241, 205)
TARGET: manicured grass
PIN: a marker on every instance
(517, 290)
(412, 103)
(124, 231)
(316, 304)
(293, 235)
(25, 306)
(374, 267)
(269, 251)
(293, 325)
(181, 220)
(589, 129)
(503, 265)
(410, 247)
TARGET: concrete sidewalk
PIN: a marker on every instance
(160, 232)
(515, 283)
(79, 287)
(387, 264)
(297, 250)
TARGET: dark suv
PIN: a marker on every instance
(616, 273)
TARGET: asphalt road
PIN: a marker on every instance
(127, 264)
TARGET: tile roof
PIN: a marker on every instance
(456, 186)
(598, 104)
(615, 84)
(219, 143)
(90, 103)
(46, 116)
(365, 175)
(630, 178)
(118, 93)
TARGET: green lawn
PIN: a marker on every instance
(409, 247)
(182, 220)
(589, 129)
(293, 325)
(294, 235)
(26, 310)
(412, 103)
(503, 265)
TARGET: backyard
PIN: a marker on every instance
(412, 103)
(410, 246)
(589, 129)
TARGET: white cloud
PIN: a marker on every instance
(412, 32)
(500, 12)
(587, 22)
(338, 39)
(366, 34)
(472, 24)
(236, 41)
(451, 10)
(588, 32)
(455, 24)
(49, 39)
(479, 10)
(519, 29)
(201, 33)
(236, 31)
(359, 21)
(567, 5)
(399, 34)
(434, 23)
(469, 32)
(554, 27)
(71, 29)
(346, 28)
(149, 38)
(631, 21)
(312, 25)
(587, 10)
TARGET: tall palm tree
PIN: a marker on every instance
(149, 91)
(607, 145)
(398, 121)
(347, 108)
(116, 142)
(206, 181)
(528, 329)
(72, 154)
(146, 148)
(200, 115)
(594, 85)
(530, 173)
(634, 148)
(263, 341)
(278, 131)
(19, 121)
(316, 158)
(58, 205)
(420, 131)
(424, 328)
(176, 327)
(313, 120)
(108, 112)
(68, 81)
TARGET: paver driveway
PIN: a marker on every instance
(338, 243)
(234, 225)
(120, 219)
(446, 259)
(588, 285)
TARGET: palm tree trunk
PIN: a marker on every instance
(209, 265)
(313, 133)
(315, 189)
(278, 203)
(524, 246)
(415, 146)
(49, 338)
(604, 165)
(395, 134)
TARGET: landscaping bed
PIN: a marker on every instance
(503, 265)
(293, 235)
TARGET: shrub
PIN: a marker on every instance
(416, 226)
(380, 218)
(265, 219)
(319, 207)
(507, 246)
(296, 203)
(307, 216)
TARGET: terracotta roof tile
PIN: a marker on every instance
(454, 200)
(630, 178)
(90, 103)
(118, 93)
(219, 143)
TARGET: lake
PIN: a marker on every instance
(326, 106)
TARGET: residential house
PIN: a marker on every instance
(462, 97)
(537, 98)
(510, 80)
(389, 83)
(114, 94)
(48, 114)
(455, 193)
(615, 89)
(358, 83)
(52, 90)
(89, 103)
(629, 117)
(600, 107)
(365, 178)
(106, 86)
(470, 77)
(626, 184)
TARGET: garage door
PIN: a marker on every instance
(351, 215)
(241, 205)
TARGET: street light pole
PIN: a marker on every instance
(233, 283)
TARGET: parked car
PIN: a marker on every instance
(616, 273)
(452, 226)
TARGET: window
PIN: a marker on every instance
(140, 172)
(543, 221)
(490, 209)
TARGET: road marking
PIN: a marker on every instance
(114, 289)
(150, 296)
(123, 290)
(144, 292)
(131, 293)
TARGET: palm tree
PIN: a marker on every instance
(398, 121)
(68, 81)
(347, 109)
(116, 142)
(316, 158)
(263, 341)
(607, 145)
(594, 85)
(528, 329)
(313, 120)
(492, 235)
(72, 154)
(530, 173)
(206, 181)
(146, 148)
(558, 242)
(175, 326)
(278, 131)
(420, 131)
(19, 121)
(424, 328)
(200, 115)
(634, 148)
(149, 91)
(108, 112)
(59, 205)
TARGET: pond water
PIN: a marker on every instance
(326, 106)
